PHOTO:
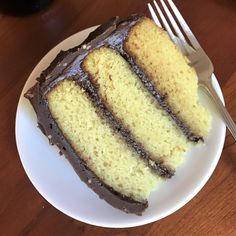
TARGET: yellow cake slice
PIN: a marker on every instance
(123, 108)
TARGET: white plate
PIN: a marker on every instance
(56, 181)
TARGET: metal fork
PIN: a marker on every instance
(198, 58)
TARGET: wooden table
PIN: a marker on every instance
(25, 40)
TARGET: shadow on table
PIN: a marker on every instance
(22, 7)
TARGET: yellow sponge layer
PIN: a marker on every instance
(169, 71)
(105, 153)
(126, 96)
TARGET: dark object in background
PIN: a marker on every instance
(22, 7)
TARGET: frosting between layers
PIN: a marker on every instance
(116, 124)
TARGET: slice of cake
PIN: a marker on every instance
(123, 108)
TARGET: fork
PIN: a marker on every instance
(194, 52)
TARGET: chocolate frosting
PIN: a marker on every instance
(67, 65)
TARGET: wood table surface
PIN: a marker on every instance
(25, 40)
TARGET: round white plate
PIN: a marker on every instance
(56, 181)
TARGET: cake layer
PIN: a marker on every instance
(139, 112)
(169, 72)
(104, 152)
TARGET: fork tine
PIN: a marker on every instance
(154, 16)
(176, 28)
(184, 26)
(165, 23)
(168, 29)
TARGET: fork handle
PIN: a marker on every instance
(220, 107)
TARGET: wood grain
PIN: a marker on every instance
(25, 40)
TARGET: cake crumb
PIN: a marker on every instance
(85, 46)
